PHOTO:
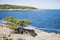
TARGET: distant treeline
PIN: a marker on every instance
(7, 6)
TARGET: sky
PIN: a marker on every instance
(41, 4)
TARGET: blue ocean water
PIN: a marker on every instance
(47, 20)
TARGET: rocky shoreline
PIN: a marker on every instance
(20, 9)
(41, 35)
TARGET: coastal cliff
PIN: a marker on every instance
(16, 7)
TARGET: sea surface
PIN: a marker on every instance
(46, 20)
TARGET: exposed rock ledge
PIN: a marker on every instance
(20, 9)
(41, 35)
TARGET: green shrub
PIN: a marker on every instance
(5, 38)
(20, 39)
(10, 39)
(14, 23)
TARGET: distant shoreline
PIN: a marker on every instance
(21, 9)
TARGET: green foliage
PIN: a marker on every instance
(5, 38)
(20, 39)
(10, 39)
(25, 23)
(9, 19)
(13, 23)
